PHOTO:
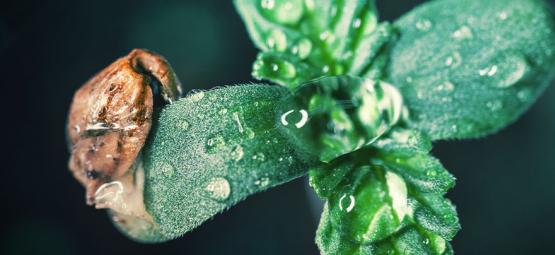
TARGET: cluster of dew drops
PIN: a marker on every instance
(505, 71)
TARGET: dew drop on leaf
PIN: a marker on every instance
(424, 25)
(218, 188)
(183, 125)
(524, 95)
(215, 143)
(287, 12)
(303, 48)
(347, 203)
(454, 60)
(262, 182)
(463, 33)
(237, 153)
(277, 40)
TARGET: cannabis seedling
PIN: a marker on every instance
(360, 105)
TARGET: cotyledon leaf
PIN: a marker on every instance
(387, 199)
(209, 151)
(302, 40)
(468, 68)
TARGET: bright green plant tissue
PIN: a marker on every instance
(462, 68)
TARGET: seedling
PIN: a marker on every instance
(359, 106)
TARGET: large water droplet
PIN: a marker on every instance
(300, 118)
(424, 25)
(215, 143)
(506, 70)
(287, 12)
(336, 115)
(218, 189)
(463, 33)
(525, 95)
(277, 40)
(347, 203)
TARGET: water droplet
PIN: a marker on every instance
(446, 87)
(287, 12)
(357, 22)
(463, 33)
(259, 156)
(215, 143)
(525, 95)
(503, 15)
(303, 48)
(508, 68)
(300, 122)
(454, 60)
(222, 111)
(495, 105)
(196, 96)
(218, 189)
(489, 71)
(237, 153)
(347, 203)
(249, 133)
(277, 40)
(327, 36)
(262, 182)
(426, 241)
(166, 169)
(431, 173)
(325, 69)
(183, 125)
(424, 25)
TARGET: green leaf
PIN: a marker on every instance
(302, 40)
(209, 151)
(468, 68)
(388, 199)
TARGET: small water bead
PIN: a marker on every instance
(524, 95)
(495, 105)
(454, 60)
(302, 49)
(262, 182)
(183, 125)
(503, 15)
(347, 203)
(166, 169)
(463, 33)
(287, 12)
(238, 152)
(218, 188)
(215, 143)
(446, 87)
(277, 40)
(336, 115)
(424, 25)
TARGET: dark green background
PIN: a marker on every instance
(506, 183)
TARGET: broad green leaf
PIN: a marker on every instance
(468, 68)
(387, 199)
(302, 40)
(209, 151)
